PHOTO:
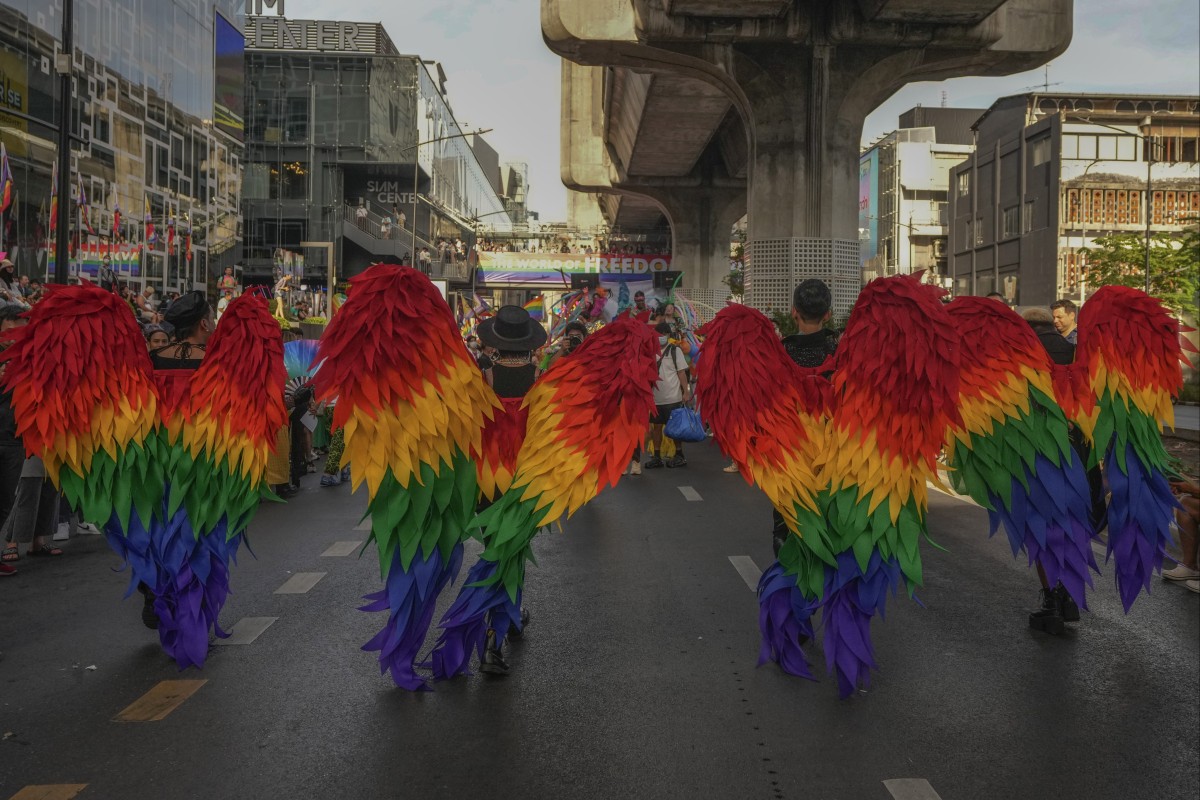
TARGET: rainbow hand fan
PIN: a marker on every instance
(413, 405)
(585, 418)
(1011, 452)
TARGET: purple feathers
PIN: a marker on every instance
(410, 597)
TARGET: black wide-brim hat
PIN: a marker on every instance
(512, 329)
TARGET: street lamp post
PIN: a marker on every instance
(417, 172)
(1145, 126)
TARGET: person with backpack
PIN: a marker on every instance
(672, 390)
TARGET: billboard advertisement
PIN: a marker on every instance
(868, 206)
(229, 69)
(556, 269)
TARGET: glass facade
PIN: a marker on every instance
(327, 131)
(143, 107)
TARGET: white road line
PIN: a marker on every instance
(365, 525)
(300, 583)
(339, 549)
(691, 494)
(247, 630)
(747, 569)
(911, 789)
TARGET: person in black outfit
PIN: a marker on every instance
(193, 320)
(515, 336)
(809, 347)
(1057, 605)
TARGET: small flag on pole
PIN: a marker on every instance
(116, 229)
(151, 236)
(6, 180)
(54, 198)
(84, 210)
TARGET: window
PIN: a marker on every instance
(1039, 151)
(964, 183)
(1027, 216)
(1087, 147)
(978, 230)
(1106, 148)
(1070, 146)
(1126, 148)
(1011, 222)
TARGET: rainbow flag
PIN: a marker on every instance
(6, 180)
(54, 199)
(536, 308)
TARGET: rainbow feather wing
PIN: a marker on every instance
(585, 418)
(771, 417)
(413, 406)
(218, 425)
(503, 436)
(85, 402)
(896, 388)
(1129, 350)
(1011, 450)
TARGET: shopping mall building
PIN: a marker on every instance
(346, 139)
(156, 130)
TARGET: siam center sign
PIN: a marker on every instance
(306, 35)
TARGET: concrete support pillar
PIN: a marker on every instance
(807, 106)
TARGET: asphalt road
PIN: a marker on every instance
(636, 678)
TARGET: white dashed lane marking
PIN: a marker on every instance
(911, 789)
(690, 494)
(300, 583)
(339, 549)
(747, 569)
(247, 630)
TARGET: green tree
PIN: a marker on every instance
(1119, 260)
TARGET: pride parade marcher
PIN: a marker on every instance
(166, 452)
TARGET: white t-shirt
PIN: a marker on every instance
(668, 389)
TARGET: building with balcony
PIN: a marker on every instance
(904, 184)
(350, 142)
(156, 124)
(1053, 172)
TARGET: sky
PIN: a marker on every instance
(501, 75)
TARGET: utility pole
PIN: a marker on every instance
(65, 100)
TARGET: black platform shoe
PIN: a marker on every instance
(1049, 618)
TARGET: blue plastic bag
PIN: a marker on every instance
(684, 425)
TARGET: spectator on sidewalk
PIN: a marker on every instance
(1064, 313)
(12, 450)
(34, 515)
(1187, 518)
(672, 390)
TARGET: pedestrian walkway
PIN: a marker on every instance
(1187, 418)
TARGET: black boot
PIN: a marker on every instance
(149, 616)
(493, 662)
(779, 533)
(1049, 618)
(516, 633)
(1070, 611)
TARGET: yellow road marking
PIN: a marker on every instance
(55, 791)
(160, 701)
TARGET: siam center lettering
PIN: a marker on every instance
(278, 33)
